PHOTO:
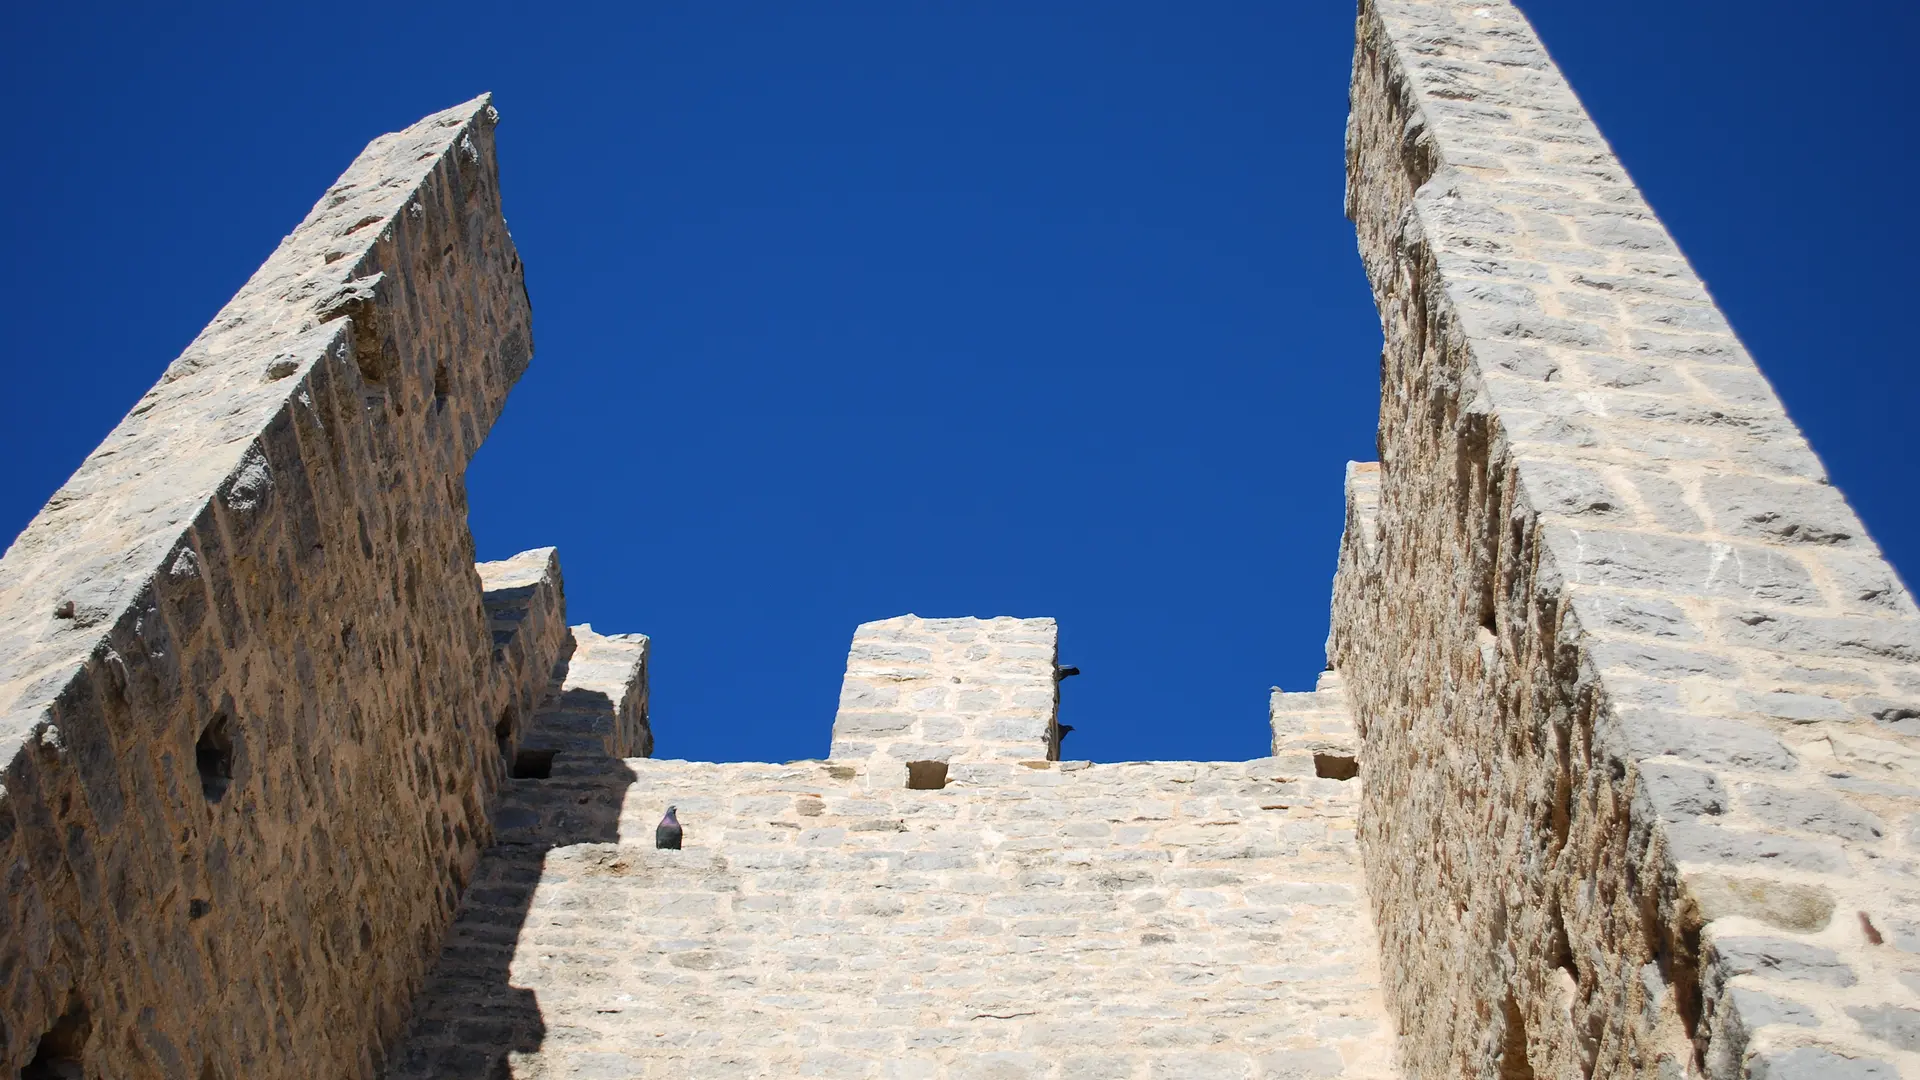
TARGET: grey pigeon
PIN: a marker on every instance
(1064, 673)
(667, 833)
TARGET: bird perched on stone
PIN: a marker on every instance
(1065, 730)
(1064, 673)
(667, 834)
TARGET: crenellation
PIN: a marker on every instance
(525, 605)
(947, 690)
(1614, 770)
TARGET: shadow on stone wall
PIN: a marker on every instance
(469, 1019)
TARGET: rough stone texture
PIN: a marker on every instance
(1625, 701)
(526, 607)
(247, 691)
(601, 704)
(1634, 686)
(930, 689)
(1029, 919)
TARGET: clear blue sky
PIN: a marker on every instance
(1032, 309)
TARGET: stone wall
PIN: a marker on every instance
(1028, 919)
(248, 694)
(936, 689)
(526, 605)
(1318, 726)
(1637, 693)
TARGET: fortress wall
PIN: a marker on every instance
(949, 690)
(1105, 922)
(247, 688)
(1029, 919)
(1637, 693)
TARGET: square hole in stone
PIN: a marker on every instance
(926, 775)
(532, 764)
(1335, 766)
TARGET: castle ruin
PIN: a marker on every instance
(1614, 771)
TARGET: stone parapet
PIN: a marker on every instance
(1315, 730)
(1041, 920)
(247, 696)
(944, 690)
(1636, 688)
(600, 705)
(526, 608)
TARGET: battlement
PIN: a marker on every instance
(1614, 772)
(946, 690)
(831, 918)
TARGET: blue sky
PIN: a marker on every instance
(1032, 309)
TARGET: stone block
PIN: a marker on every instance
(1809, 811)
(1814, 1063)
(1780, 958)
(1705, 740)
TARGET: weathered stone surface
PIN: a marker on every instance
(247, 688)
(927, 689)
(525, 602)
(1314, 731)
(1617, 650)
(1813, 1063)
(1030, 919)
(1624, 699)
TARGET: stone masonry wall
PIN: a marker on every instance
(247, 688)
(1638, 695)
(936, 689)
(1029, 919)
(1318, 725)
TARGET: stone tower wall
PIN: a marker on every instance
(248, 691)
(1638, 694)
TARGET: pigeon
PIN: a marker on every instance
(1065, 730)
(667, 834)
(1064, 673)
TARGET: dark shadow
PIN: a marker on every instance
(1332, 766)
(468, 1019)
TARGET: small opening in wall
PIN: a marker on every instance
(926, 775)
(57, 1057)
(441, 385)
(532, 765)
(1335, 766)
(213, 754)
